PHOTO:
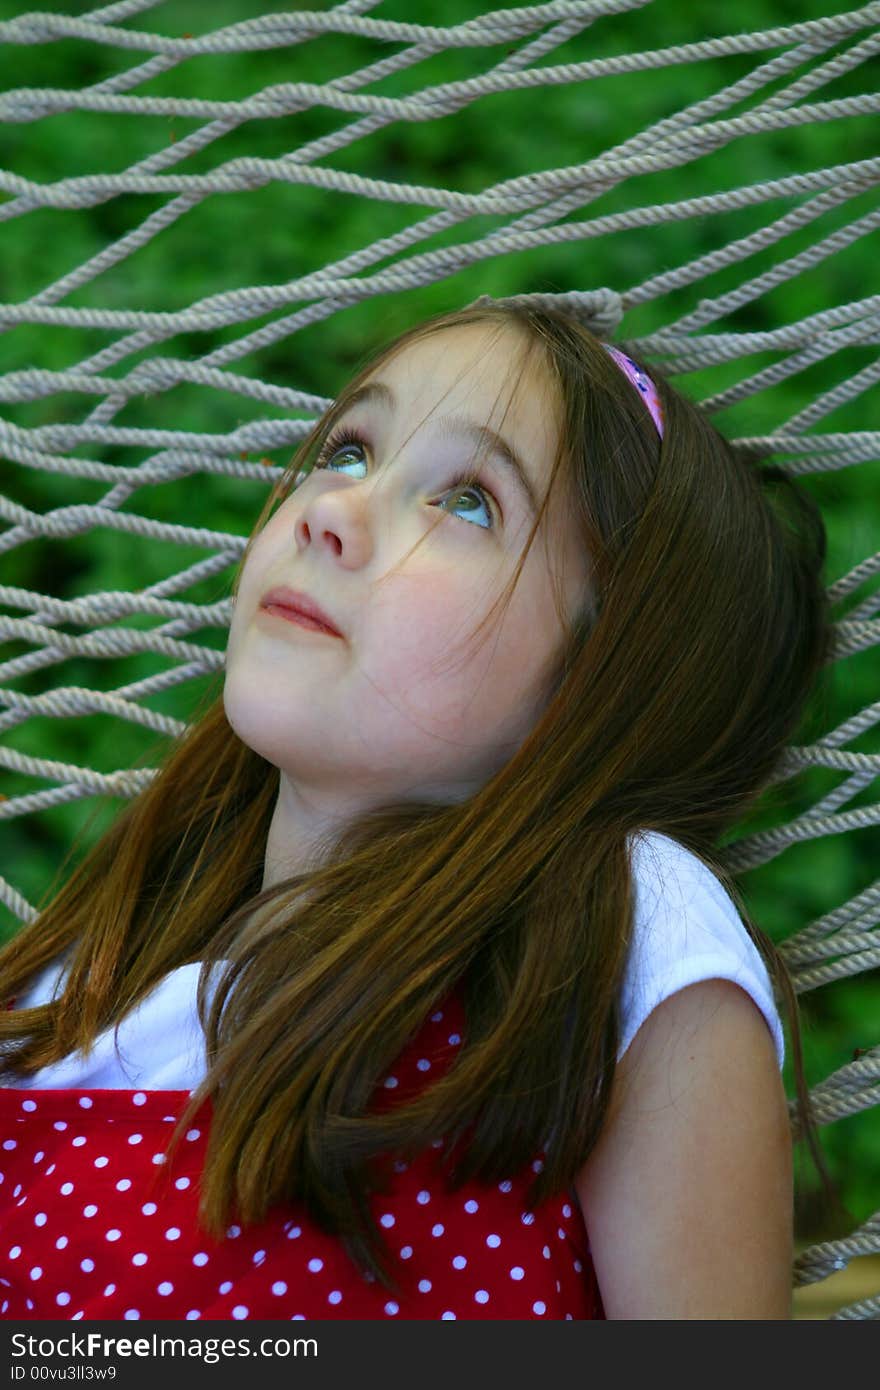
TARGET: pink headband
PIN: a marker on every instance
(641, 381)
(639, 378)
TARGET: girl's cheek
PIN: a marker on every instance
(266, 549)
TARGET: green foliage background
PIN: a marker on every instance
(277, 232)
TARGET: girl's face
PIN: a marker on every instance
(403, 705)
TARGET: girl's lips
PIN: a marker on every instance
(291, 615)
(300, 608)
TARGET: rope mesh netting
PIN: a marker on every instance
(87, 384)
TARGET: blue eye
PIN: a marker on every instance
(348, 440)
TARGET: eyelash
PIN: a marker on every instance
(347, 434)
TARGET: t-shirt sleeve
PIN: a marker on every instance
(159, 1045)
(686, 928)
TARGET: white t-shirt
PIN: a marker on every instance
(686, 928)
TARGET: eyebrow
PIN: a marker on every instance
(380, 393)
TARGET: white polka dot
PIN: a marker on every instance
(78, 1315)
(387, 1219)
(79, 1141)
(505, 1186)
(15, 1252)
(493, 1240)
(459, 1262)
(165, 1287)
(193, 1313)
(138, 1098)
(390, 1082)
(424, 1286)
(173, 1233)
(62, 1298)
(60, 1124)
(334, 1297)
(259, 1257)
(149, 1208)
(50, 1169)
(471, 1205)
(158, 1158)
(192, 1134)
(406, 1252)
(61, 1242)
(111, 1288)
(447, 1316)
(226, 1286)
(85, 1102)
(294, 1232)
(566, 1209)
(392, 1308)
(233, 1231)
(528, 1217)
(135, 1139)
(101, 1162)
(113, 1234)
(66, 1187)
(40, 1219)
(546, 1252)
(481, 1296)
(517, 1272)
(87, 1264)
(438, 1229)
(90, 1209)
(423, 1197)
(239, 1311)
(181, 1183)
(131, 1313)
(455, 1038)
(423, 1064)
(200, 1259)
(139, 1259)
(123, 1185)
(537, 1166)
(578, 1266)
(436, 1018)
(315, 1265)
(539, 1307)
(36, 1272)
(38, 1156)
(9, 1144)
(29, 1105)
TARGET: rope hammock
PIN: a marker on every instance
(73, 411)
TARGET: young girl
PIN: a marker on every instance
(411, 986)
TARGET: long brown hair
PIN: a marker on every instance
(678, 686)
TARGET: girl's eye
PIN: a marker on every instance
(347, 441)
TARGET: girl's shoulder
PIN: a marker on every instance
(686, 927)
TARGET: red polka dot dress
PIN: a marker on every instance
(96, 1222)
